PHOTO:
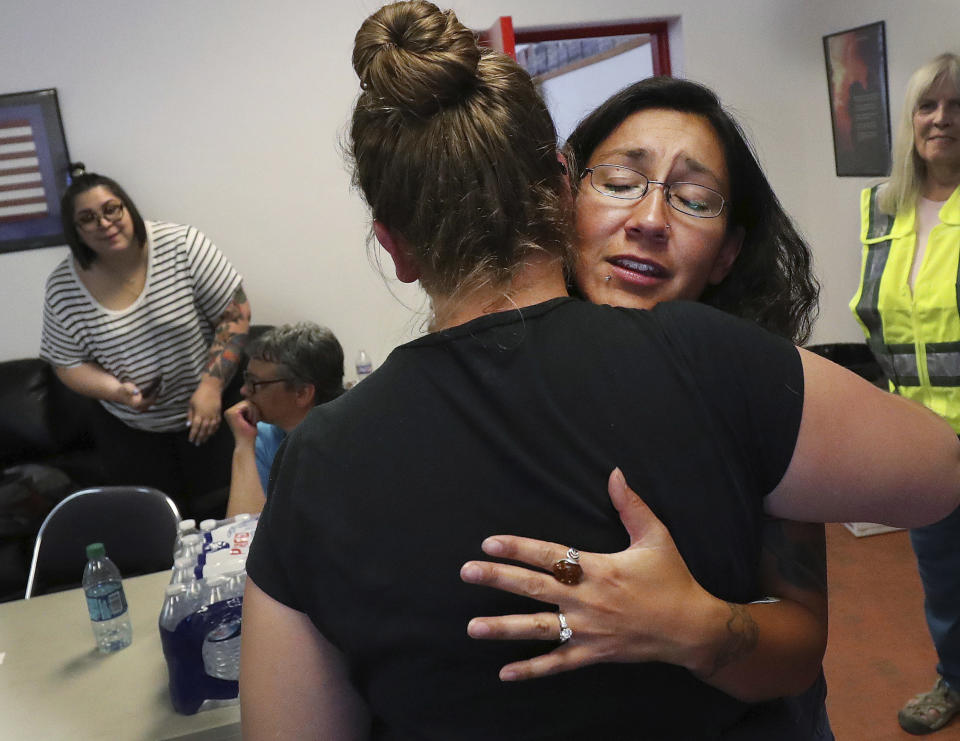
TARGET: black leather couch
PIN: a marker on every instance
(46, 452)
(44, 422)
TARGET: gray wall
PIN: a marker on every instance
(227, 114)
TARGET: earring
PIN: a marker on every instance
(608, 278)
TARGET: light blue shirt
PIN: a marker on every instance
(269, 438)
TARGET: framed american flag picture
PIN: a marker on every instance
(34, 170)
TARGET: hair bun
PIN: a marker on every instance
(415, 56)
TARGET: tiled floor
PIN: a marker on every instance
(879, 652)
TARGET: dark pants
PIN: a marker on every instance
(937, 547)
(196, 477)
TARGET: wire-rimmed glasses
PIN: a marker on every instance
(624, 183)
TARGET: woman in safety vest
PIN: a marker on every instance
(907, 305)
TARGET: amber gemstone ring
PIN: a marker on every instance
(568, 570)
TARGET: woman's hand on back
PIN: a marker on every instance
(641, 604)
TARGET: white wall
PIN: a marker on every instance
(227, 114)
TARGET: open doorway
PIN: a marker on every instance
(575, 76)
(577, 68)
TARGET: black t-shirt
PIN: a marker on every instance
(511, 424)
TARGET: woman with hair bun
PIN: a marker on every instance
(509, 417)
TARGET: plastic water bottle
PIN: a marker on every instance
(106, 602)
(236, 579)
(192, 546)
(221, 650)
(194, 592)
(213, 590)
(221, 645)
(183, 570)
(206, 529)
(176, 606)
(186, 527)
(363, 365)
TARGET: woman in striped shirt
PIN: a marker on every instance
(150, 319)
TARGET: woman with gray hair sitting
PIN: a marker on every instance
(290, 370)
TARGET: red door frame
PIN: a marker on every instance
(500, 36)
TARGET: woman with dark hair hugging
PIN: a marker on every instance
(509, 417)
(671, 204)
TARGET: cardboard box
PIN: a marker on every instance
(862, 529)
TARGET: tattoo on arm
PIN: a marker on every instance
(742, 636)
(799, 552)
(225, 357)
(229, 338)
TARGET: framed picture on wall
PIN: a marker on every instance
(34, 170)
(859, 103)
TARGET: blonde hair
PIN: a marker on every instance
(454, 150)
(908, 170)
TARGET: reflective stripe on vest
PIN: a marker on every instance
(943, 363)
(875, 262)
(899, 360)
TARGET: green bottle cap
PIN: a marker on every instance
(95, 550)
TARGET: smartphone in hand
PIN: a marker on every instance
(151, 388)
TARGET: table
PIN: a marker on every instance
(55, 685)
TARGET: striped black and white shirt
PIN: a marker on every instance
(166, 333)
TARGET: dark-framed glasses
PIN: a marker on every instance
(693, 199)
(88, 219)
(254, 383)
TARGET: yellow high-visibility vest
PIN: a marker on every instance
(914, 335)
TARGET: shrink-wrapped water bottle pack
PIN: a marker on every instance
(200, 619)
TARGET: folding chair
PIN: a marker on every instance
(137, 524)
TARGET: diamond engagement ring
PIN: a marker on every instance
(565, 633)
(568, 570)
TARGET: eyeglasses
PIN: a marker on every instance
(89, 220)
(626, 184)
(254, 384)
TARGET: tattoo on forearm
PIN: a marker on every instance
(742, 636)
(228, 341)
(225, 357)
(799, 551)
